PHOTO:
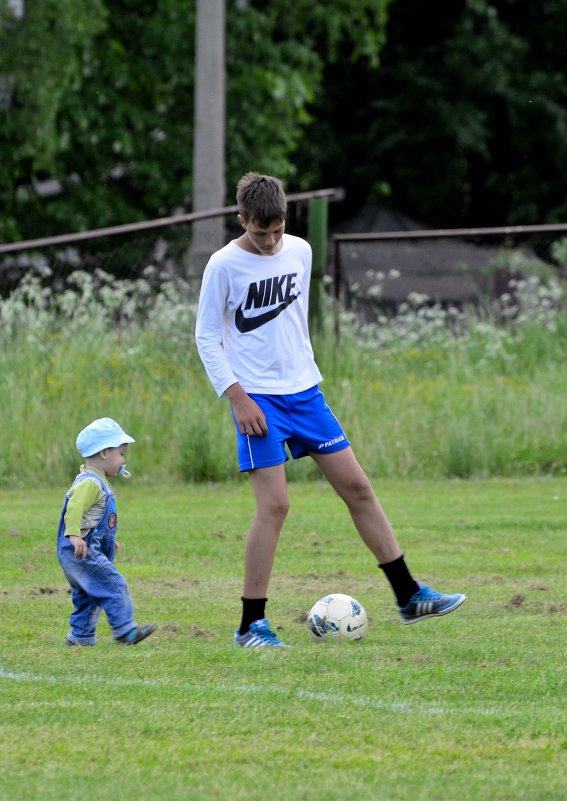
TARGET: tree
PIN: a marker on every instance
(464, 121)
(42, 55)
(277, 72)
(118, 132)
(454, 112)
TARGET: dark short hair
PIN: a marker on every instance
(261, 199)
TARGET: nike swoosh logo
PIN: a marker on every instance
(246, 324)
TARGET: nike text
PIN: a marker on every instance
(270, 291)
(265, 293)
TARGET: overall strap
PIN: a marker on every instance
(102, 484)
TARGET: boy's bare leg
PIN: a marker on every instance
(272, 504)
(350, 482)
(415, 601)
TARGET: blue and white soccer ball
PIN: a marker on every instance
(337, 617)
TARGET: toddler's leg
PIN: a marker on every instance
(86, 613)
(110, 590)
(83, 619)
(98, 583)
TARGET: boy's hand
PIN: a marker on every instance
(80, 547)
(250, 419)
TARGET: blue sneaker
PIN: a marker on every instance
(137, 634)
(426, 602)
(259, 635)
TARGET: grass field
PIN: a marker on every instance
(468, 707)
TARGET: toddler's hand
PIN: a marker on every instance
(80, 547)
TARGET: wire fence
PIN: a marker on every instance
(162, 246)
(375, 271)
(367, 272)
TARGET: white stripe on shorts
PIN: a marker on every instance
(250, 452)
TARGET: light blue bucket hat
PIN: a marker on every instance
(100, 434)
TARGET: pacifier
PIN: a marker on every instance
(124, 473)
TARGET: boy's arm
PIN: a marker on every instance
(250, 419)
(209, 330)
(81, 497)
(209, 338)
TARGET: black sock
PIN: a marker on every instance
(400, 578)
(252, 609)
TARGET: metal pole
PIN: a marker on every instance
(146, 225)
(317, 234)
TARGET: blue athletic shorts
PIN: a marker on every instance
(302, 421)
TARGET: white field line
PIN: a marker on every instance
(340, 699)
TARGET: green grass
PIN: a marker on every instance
(424, 395)
(432, 413)
(471, 706)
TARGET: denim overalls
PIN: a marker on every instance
(95, 582)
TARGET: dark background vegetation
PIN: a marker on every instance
(454, 113)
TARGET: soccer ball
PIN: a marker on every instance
(337, 617)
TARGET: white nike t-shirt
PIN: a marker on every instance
(252, 319)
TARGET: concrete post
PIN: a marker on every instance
(209, 132)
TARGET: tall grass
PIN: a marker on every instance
(429, 393)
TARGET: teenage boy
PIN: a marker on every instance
(253, 339)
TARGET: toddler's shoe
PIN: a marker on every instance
(137, 634)
(259, 635)
(426, 602)
(71, 643)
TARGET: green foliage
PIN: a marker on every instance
(455, 114)
(112, 117)
(273, 84)
(464, 121)
(42, 59)
(469, 706)
(43, 56)
(429, 393)
(284, 75)
(120, 125)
